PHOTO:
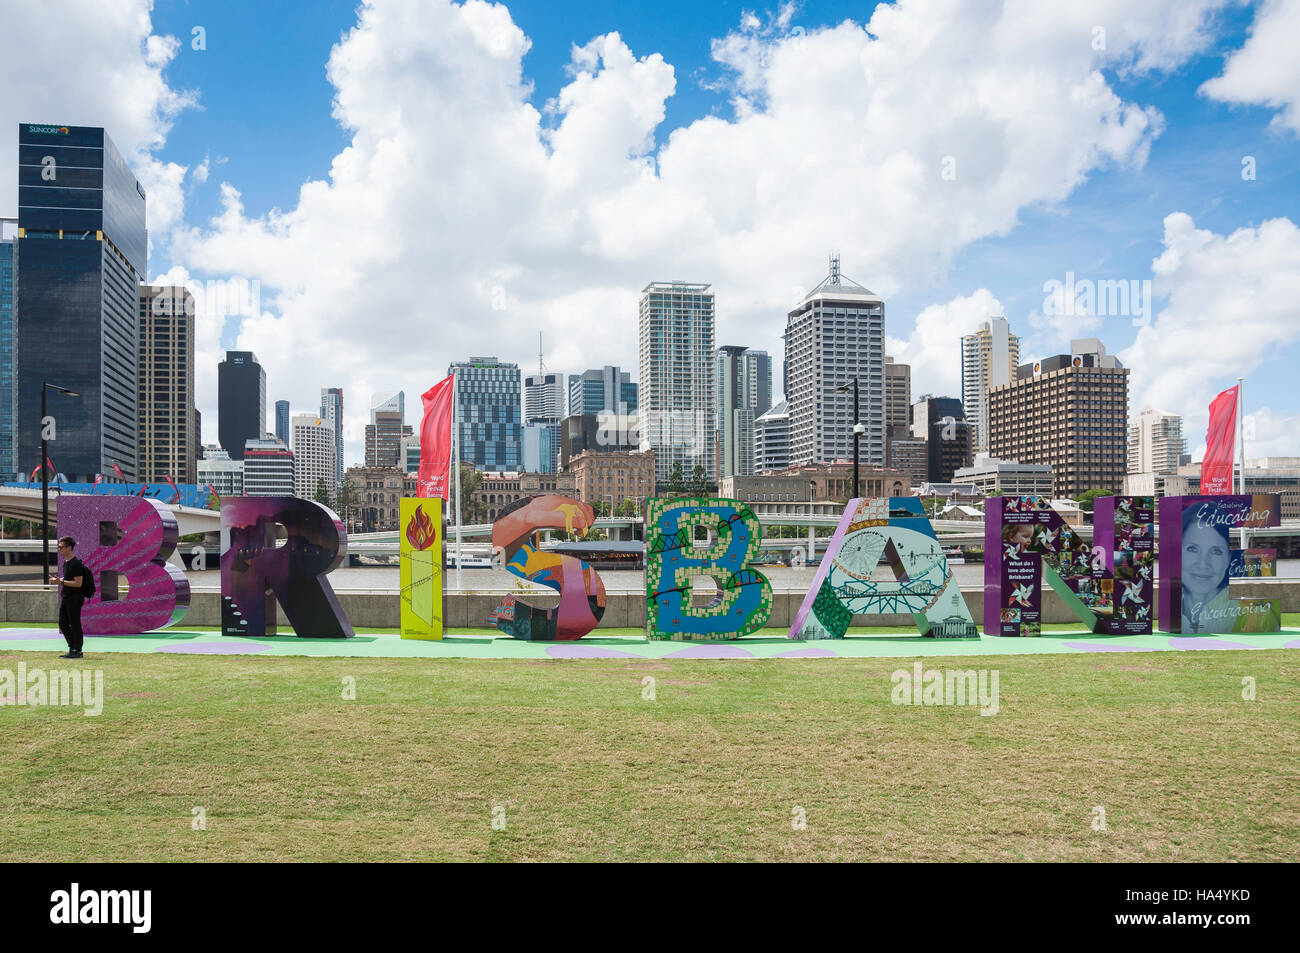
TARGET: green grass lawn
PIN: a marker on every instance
(580, 766)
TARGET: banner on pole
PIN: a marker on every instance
(435, 441)
(1216, 466)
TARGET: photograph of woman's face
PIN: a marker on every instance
(1205, 561)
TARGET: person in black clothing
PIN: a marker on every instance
(72, 583)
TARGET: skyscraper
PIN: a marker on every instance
(941, 423)
(167, 424)
(543, 396)
(282, 421)
(331, 409)
(313, 457)
(384, 439)
(82, 250)
(241, 402)
(989, 359)
(772, 439)
(8, 237)
(602, 389)
(832, 337)
(487, 413)
(677, 397)
(544, 401)
(1155, 442)
(1069, 411)
(743, 393)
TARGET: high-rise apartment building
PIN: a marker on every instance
(489, 431)
(832, 337)
(331, 410)
(544, 402)
(314, 461)
(1155, 442)
(602, 389)
(676, 326)
(989, 359)
(282, 421)
(268, 468)
(8, 238)
(743, 393)
(241, 402)
(1069, 411)
(167, 424)
(82, 249)
(772, 439)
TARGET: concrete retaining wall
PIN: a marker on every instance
(468, 609)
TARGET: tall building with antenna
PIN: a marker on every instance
(835, 335)
(543, 411)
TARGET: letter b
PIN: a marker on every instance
(126, 538)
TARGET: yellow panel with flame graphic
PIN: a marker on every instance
(421, 558)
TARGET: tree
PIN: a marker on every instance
(472, 509)
(676, 479)
(322, 493)
(1086, 499)
(627, 508)
(349, 498)
(699, 481)
(600, 508)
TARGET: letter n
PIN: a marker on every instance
(126, 539)
(279, 549)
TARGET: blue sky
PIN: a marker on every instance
(260, 113)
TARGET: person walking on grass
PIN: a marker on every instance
(77, 584)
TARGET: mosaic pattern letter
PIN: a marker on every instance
(713, 538)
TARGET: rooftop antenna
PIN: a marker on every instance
(835, 268)
(541, 367)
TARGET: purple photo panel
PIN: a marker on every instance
(125, 541)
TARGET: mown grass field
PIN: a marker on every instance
(574, 763)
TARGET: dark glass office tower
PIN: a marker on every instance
(81, 255)
(241, 401)
(282, 421)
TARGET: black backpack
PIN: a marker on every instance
(87, 581)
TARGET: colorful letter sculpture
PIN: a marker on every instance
(257, 570)
(674, 560)
(421, 568)
(126, 539)
(1108, 585)
(896, 529)
(1195, 558)
(557, 598)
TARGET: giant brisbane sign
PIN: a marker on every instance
(276, 553)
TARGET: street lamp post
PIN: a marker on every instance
(857, 431)
(45, 482)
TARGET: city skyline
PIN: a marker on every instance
(1174, 170)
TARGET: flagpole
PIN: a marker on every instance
(455, 462)
(1241, 451)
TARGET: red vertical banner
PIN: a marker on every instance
(1216, 467)
(435, 441)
